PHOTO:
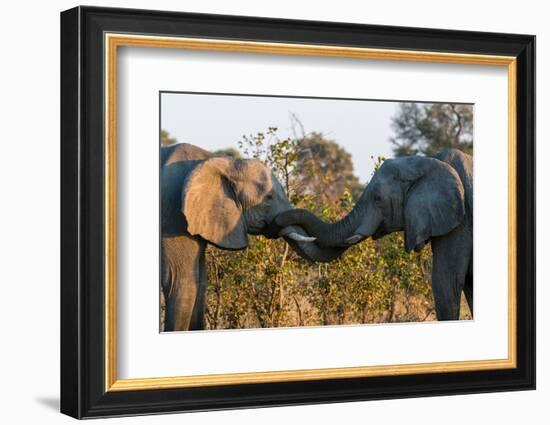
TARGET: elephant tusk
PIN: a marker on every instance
(285, 231)
(300, 238)
(354, 239)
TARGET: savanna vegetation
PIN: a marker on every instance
(268, 285)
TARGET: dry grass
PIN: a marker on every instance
(411, 309)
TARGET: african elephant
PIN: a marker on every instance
(431, 200)
(217, 200)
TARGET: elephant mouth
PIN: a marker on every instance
(384, 230)
(380, 232)
(271, 230)
(359, 237)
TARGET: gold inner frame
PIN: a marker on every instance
(113, 41)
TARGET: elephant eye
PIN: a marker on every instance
(377, 198)
(269, 197)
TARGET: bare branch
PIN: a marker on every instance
(459, 123)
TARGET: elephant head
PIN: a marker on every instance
(421, 195)
(224, 199)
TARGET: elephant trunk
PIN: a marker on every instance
(328, 235)
(302, 243)
(308, 249)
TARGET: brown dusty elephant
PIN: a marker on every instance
(217, 200)
(431, 200)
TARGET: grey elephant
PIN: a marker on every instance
(217, 200)
(431, 200)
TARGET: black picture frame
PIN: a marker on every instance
(83, 392)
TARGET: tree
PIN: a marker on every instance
(324, 170)
(310, 166)
(430, 128)
(166, 139)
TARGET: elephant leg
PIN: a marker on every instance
(446, 290)
(198, 315)
(451, 255)
(469, 292)
(181, 262)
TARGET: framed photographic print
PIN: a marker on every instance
(261, 212)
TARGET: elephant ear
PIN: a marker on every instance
(211, 207)
(434, 203)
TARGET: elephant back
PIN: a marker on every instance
(182, 152)
(463, 165)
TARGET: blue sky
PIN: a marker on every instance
(217, 121)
